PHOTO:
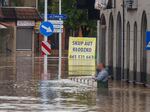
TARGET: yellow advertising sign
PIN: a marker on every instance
(81, 67)
(37, 25)
(82, 48)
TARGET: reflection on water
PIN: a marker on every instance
(81, 67)
(24, 89)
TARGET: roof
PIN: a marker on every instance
(19, 13)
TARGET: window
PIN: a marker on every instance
(4, 2)
(104, 4)
(131, 4)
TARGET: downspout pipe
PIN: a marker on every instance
(123, 37)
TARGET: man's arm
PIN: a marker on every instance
(101, 76)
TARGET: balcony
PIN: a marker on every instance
(131, 4)
(104, 4)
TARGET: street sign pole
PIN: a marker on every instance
(60, 46)
(45, 38)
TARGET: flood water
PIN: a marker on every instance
(24, 88)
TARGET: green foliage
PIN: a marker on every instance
(76, 17)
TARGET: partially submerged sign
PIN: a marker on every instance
(82, 48)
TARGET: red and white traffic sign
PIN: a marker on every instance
(46, 48)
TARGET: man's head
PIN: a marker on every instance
(100, 66)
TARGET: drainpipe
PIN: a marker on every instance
(123, 10)
(98, 41)
(123, 45)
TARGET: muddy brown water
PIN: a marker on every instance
(23, 88)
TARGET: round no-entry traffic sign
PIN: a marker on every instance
(46, 28)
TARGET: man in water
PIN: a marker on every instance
(101, 76)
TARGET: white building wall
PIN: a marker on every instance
(132, 16)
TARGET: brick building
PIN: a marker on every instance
(22, 21)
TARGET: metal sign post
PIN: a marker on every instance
(45, 38)
(60, 47)
(46, 29)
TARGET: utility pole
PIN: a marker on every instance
(60, 46)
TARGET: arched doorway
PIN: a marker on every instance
(103, 38)
(135, 53)
(127, 52)
(118, 47)
(110, 43)
(143, 51)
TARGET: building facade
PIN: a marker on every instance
(4, 3)
(22, 3)
(121, 44)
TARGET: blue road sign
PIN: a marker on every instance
(56, 16)
(46, 28)
(147, 40)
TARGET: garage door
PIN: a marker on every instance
(24, 39)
